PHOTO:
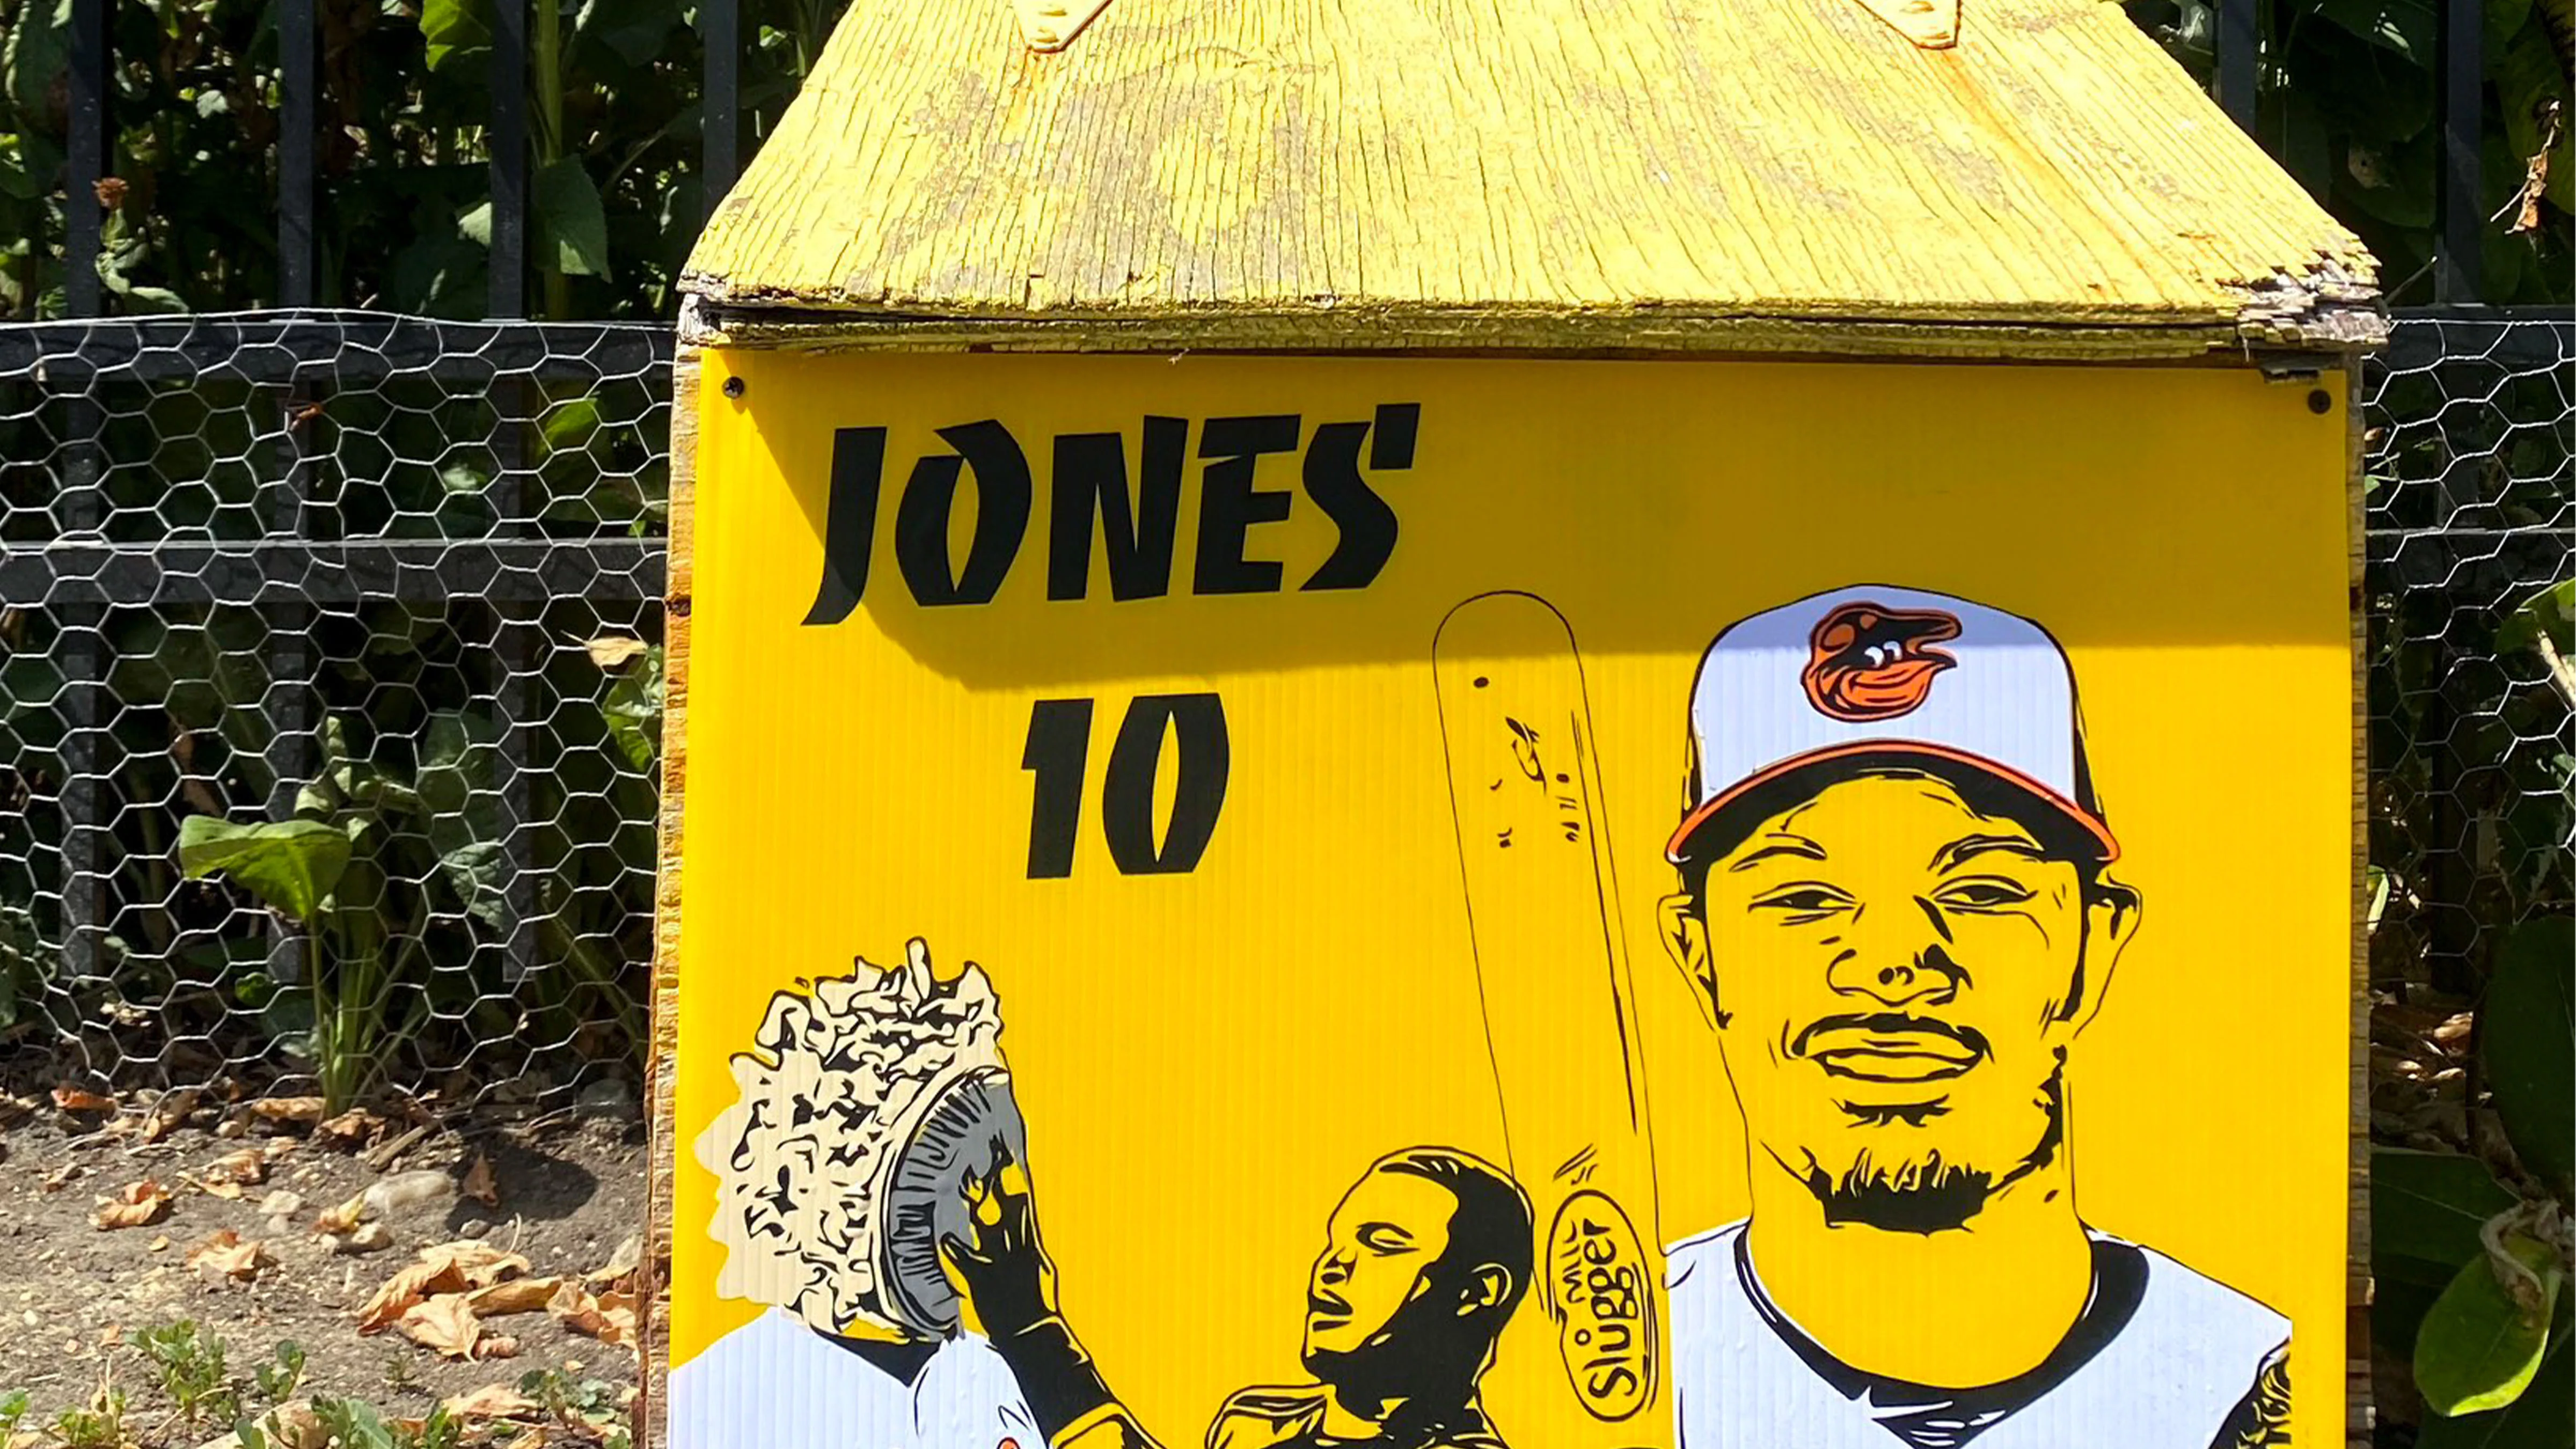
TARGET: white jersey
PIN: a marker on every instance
(2168, 1374)
(776, 1384)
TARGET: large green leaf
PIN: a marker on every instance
(638, 29)
(2429, 1206)
(2550, 612)
(291, 866)
(2479, 1347)
(37, 51)
(2527, 1033)
(633, 710)
(457, 35)
(2543, 1418)
(572, 229)
(459, 787)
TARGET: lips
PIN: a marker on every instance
(1325, 1310)
(1890, 1047)
(1894, 1057)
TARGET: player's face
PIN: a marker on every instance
(1384, 1239)
(1899, 978)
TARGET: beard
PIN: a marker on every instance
(1929, 1193)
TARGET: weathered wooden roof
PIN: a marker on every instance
(1610, 173)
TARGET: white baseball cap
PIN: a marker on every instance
(1872, 671)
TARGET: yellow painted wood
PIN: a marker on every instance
(1542, 172)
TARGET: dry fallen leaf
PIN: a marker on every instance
(492, 1401)
(448, 1268)
(137, 1204)
(75, 1099)
(612, 651)
(226, 1256)
(479, 1184)
(213, 1187)
(514, 1295)
(291, 1425)
(351, 1127)
(53, 1181)
(534, 1438)
(247, 1166)
(445, 1324)
(342, 1218)
(169, 1112)
(496, 1345)
(158, 1243)
(289, 1109)
(608, 1317)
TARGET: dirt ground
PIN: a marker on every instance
(570, 1188)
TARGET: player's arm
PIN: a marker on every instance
(1008, 1286)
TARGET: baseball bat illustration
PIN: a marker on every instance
(1552, 967)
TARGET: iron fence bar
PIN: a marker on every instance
(297, 80)
(720, 32)
(510, 402)
(2239, 44)
(2458, 267)
(82, 642)
(507, 286)
(288, 706)
(85, 157)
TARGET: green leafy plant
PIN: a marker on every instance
(192, 1369)
(325, 871)
(2469, 1217)
(356, 1424)
(101, 1425)
(2346, 104)
(614, 197)
(278, 1379)
(13, 1408)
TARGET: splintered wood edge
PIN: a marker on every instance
(662, 1054)
(2359, 1408)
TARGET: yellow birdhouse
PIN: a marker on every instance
(1443, 726)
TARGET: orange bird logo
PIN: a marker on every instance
(1867, 663)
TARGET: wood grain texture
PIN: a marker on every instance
(1393, 166)
(662, 1055)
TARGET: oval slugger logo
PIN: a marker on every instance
(1867, 663)
(1603, 1301)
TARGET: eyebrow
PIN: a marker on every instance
(1959, 851)
(1782, 843)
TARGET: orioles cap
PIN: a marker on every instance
(1879, 672)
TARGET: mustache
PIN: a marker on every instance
(1888, 1022)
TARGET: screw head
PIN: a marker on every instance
(2320, 401)
(733, 387)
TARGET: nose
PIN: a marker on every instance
(1333, 1269)
(1898, 962)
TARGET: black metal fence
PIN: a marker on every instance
(395, 576)
(402, 578)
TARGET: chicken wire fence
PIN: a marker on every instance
(2471, 416)
(330, 700)
(375, 601)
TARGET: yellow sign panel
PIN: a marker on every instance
(1577, 905)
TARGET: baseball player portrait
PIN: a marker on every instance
(1900, 905)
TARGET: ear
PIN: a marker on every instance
(2111, 914)
(1685, 937)
(1487, 1288)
